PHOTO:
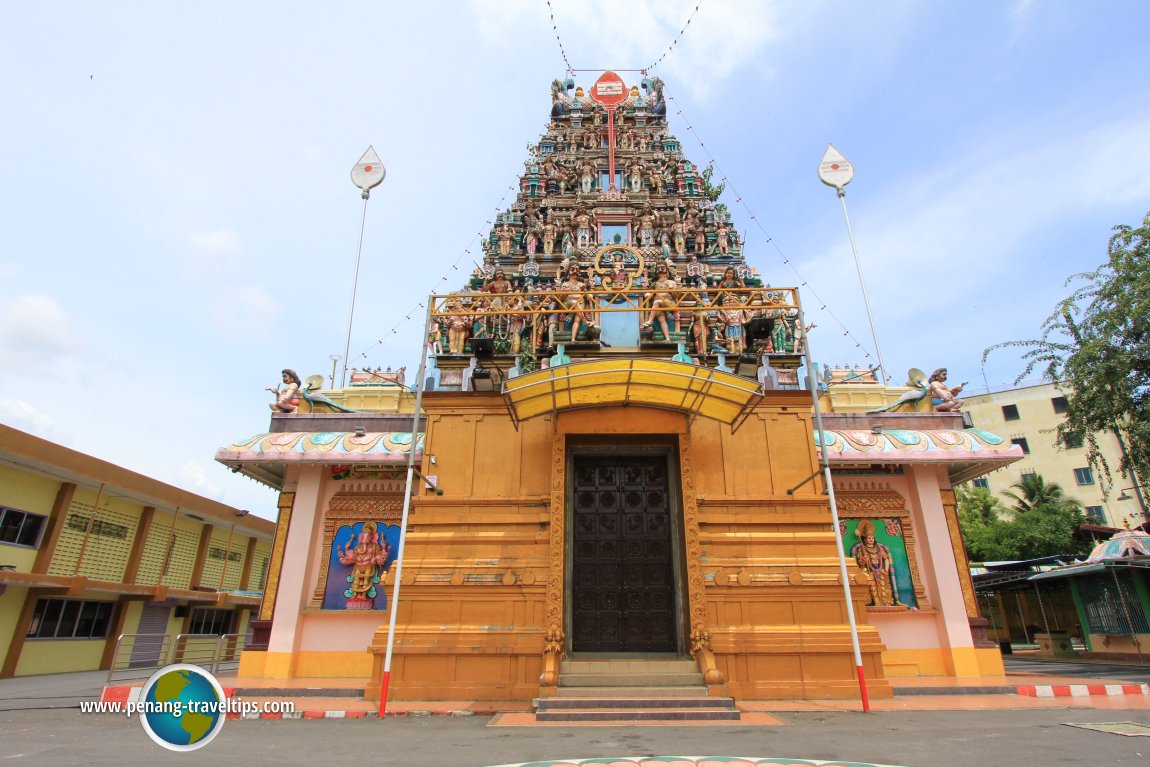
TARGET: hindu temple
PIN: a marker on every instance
(617, 461)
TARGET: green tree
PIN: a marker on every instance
(1096, 346)
(1034, 492)
(1041, 523)
(711, 191)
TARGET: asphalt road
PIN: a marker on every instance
(913, 739)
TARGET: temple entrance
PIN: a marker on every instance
(623, 572)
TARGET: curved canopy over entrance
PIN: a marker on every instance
(691, 389)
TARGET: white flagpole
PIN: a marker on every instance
(419, 383)
(812, 383)
(354, 285)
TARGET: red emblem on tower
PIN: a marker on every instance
(609, 90)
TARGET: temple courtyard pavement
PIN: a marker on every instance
(986, 723)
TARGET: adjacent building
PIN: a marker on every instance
(1028, 416)
(90, 550)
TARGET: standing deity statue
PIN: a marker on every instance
(875, 558)
(668, 320)
(732, 314)
(458, 325)
(548, 237)
(584, 222)
(636, 175)
(575, 300)
(586, 176)
(679, 232)
(723, 237)
(506, 236)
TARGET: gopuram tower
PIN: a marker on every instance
(611, 210)
(619, 488)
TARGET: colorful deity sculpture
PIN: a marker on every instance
(368, 556)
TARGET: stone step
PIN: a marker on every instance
(631, 679)
(637, 715)
(611, 666)
(631, 692)
(556, 703)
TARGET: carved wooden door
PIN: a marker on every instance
(623, 574)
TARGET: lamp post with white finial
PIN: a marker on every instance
(367, 174)
(835, 170)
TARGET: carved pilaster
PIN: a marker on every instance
(553, 648)
(950, 508)
(696, 583)
(271, 585)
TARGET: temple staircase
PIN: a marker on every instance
(632, 690)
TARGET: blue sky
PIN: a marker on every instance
(177, 223)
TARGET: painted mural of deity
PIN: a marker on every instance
(360, 556)
(881, 552)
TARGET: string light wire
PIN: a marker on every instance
(479, 237)
(768, 240)
(674, 42)
(555, 29)
(645, 70)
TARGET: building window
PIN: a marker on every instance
(1084, 476)
(56, 618)
(20, 528)
(215, 552)
(1112, 606)
(1059, 404)
(206, 620)
(1096, 514)
(982, 482)
(1022, 443)
(1027, 475)
(79, 522)
(1074, 441)
(1010, 412)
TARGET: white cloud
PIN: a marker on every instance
(215, 249)
(35, 334)
(193, 476)
(1020, 16)
(20, 415)
(966, 219)
(954, 267)
(722, 36)
(250, 311)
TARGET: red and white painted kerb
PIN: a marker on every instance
(357, 714)
(1081, 690)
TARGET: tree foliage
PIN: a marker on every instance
(1040, 524)
(711, 191)
(1096, 346)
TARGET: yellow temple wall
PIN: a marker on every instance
(472, 614)
(480, 573)
(470, 620)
